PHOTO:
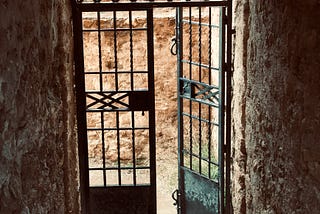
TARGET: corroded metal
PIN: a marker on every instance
(201, 195)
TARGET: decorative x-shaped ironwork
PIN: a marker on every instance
(207, 93)
(107, 101)
(201, 92)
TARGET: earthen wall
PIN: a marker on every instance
(38, 160)
(276, 106)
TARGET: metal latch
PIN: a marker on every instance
(173, 46)
(176, 197)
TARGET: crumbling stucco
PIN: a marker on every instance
(276, 107)
(37, 142)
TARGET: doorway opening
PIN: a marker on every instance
(129, 121)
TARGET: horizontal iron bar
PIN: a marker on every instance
(198, 64)
(190, 170)
(198, 83)
(121, 185)
(129, 6)
(199, 101)
(116, 72)
(115, 29)
(200, 119)
(115, 92)
(108, 110)
(198, 23)
(114, 129)
(119, 168)
(201, 158)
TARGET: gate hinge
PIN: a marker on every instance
(225, 19)
(224, 148)
(225, 65)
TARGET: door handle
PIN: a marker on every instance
(173, 46)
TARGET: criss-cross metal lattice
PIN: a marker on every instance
(107, 101)
(200, 92)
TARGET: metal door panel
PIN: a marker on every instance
(116, 121)
(202, 70)
(119, 200)
(201, 193)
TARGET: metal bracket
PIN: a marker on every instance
(224, 147)
(225, 65)
(173, 46)
(225, 19)
(175, 196)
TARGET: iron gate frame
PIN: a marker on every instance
(78, 7)
(224, 102)
(137, 190)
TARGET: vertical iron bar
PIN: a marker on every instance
(210, 83)
(132, 112)
(152, 129)
(179, 40)
(200, 105)
(133, 149)
(115, 49)
(228, 104)
(118, 148)
(190, 77)
(117, 88)
(131, 49)
(103, 150)
(81, 107)
(99, 50)
(101, 89)
(221, 108)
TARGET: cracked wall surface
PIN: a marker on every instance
(38, 158)
(276, 119)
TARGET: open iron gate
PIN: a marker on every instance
(203, 110)
(119, 181)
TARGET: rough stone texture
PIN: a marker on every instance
(38, 172)
(276, 107)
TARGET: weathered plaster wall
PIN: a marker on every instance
(38, 172)
(276, 107)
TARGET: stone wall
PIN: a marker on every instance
(276, 107)
(38, 160)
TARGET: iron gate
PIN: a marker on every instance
(116, 113)
(203, 73)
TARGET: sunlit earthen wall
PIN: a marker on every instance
(38, 158)
(276, 107)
